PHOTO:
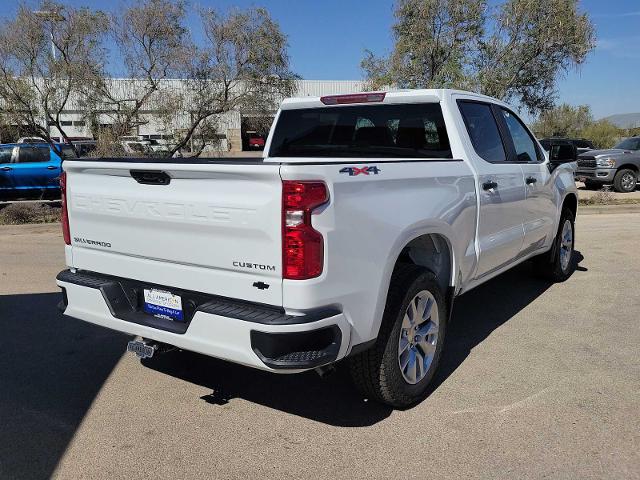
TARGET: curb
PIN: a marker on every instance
(603, 209)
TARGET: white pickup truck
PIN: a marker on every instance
(367, 215)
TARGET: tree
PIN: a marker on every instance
(568, 121)
(153, 43)
(39, 81)
(243, 65)
(514, 51)
(435, 40)
(563, 121)
(602, 133)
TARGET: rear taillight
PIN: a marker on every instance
(302, 245)
(65, 215)
(372, 97)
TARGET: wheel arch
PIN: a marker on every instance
(420, 248)
(432, 251)
(628, 166)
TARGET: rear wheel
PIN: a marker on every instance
(625, 181)
(398, 369)
(557, 265)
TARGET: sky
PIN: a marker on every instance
(327, 39)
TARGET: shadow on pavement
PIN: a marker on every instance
(333, 400)
(330, 400)
(51, 369)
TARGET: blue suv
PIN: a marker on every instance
(31, 168)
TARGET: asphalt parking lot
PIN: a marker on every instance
(538, 381)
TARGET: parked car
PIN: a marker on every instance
(158, 145)
(255, 141)
(72, 139)
(618, 166)
(136, 147)
(582, 144)
(31, 140)
(31, 169)
(368, 215)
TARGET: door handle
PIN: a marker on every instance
(490, 185)
(531, 180)
(52, 167)
(6, 169)
(151, 177)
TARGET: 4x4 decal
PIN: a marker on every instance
(354, 171)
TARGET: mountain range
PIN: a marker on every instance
(625, 120)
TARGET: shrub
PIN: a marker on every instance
(21, 213)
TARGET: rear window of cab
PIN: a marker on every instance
(376, 131)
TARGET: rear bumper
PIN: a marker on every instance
(258, 336)
(604, 175)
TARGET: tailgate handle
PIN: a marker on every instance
(151, 177)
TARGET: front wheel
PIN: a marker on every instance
(557, 265)
(625, 181)
(398, 369)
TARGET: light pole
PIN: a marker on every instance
(51, 16)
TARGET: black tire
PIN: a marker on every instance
(549, 265)
(591, 185)
(376, 372)
(625, 180)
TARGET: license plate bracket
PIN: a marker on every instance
(163, 304)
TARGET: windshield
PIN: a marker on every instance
(632, 143)
(380, 131)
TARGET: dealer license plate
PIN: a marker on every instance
(163, 304)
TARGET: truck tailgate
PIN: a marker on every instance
(213, 228)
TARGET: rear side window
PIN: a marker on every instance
(5, 154)
(483, 130)
(523, 143)
(379, 131)
(33, 154)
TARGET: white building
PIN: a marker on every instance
(150, 124)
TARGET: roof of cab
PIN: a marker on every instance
(391, 96)
(25, 144)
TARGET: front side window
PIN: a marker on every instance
(483, 131)
(378, 131)
(632, 143)
(522, 142)
(33, 154)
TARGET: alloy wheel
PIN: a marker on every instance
(628, 181)
(418, 337)
(566, 245)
